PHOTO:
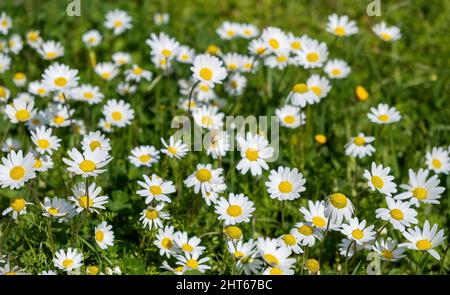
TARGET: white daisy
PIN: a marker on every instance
(285, 184)
(438, 160)
(338, 207)
(188, 245)
(238, 208)
(59, 77)
(341, 26)
(87, 93)
(106, 70)
(57, 208)
(118, 112)
(18, 206)
(155, 188)
(387, 250)
(144, 155)
(306, 233)
(193, 262)
(165, 241)
(337, 69)
(290, 116)
(163, 46)
(313, 54)
(117, 20)
(88, 163)
(20, 111)
(44, 141)
(315, 214)
(91, 38)
(236, 84)
(51, 50)
(398, 214)
(16, 169)
(121, 58)
(277, 257)
(275, 40)
(174, 148)
(358, 231)
(425, 239)
(136, 73)
(68, 260)
(208, 117)
(104, 236)
(291, 241)
(383, 114)
(254, 152)
(95, 140)
(379, 179)
(88, 200)
(360, 146)
(388, 34)
(217, 143)
(208, 69)
(5, 23)
(228, 30)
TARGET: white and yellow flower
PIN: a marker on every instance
(398, 214)
(338, 208)
(425, 239)
(388, 251)
(59, 77)
(438, 160)
(44, 141)
(337, 69)
(255, 151)
(290, 116)
(5, 23)
(88, 163)
(208, 117)
(341, 26)
(306, 233)
(118, 20)
(95, 140)
(380, 180)
(188, 245)
(228, 30)
(51, 50)
(155, 188)
(313, 54)
(20, 110)
(104, 236)
(58, 209)
(383, 114)
(136, 74)
(386, 33)
(205, 179)
(174, 148)
(118, 112)
(360, 146)
(89, 199)
(18, 206)
(285, 184)
(358, 231)
(16, 169)
(275, 40)
(144, 155)
(208, 69)
(106, 70)
(238, 208)
(192, 261)
(68, 260)
(91, 38)
(87, 93)
(165, 241)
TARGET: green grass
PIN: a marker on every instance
(411, 74)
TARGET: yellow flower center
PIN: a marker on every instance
(289, 119)
(251, 154)
(106, 75)
(88, 95)
(387, 254)
(94, 145)
(37, 164)
(192, 263)
(99, 236)
(206, 74)
(92, 270)
(336, 72)
(285, 187)
(67, 263)
(359, 141)
(60, 81)
(397, 214)
(231, 33)
(386, 36)
(423, 245)
(339, 31)
(234, 210)
(33, 36)
(274, 43)
(22, 115)
(271, 259)
(338, 200)
(312, 265)
(203, 175)
(138, 71)
(305, 230)
(43, 143)
(275, 271)
(17, 172)
(207, 120)
(383, 118)
(10, 273)
(184, 57)
(238, 255)
(83, 202)
(213, 49)
(232, 67)
(2, 91)
(312, 57)
(155, 190)
(233, 232)
(166, 52)
(58, 120)
(358, 234)
(167, 243)
(282, 58)
(316, 89)
(118, 23)
(187, 248)
(87, 166)
(41, 91)
(145, 158)
(436, 163)
(296, 45)
(377, 182)
(50, 55)
(17, 204)
(172, 150)
(300, 88)
(117, 116)
(319, 221)
(53, 210)
(151, 214)
(19, 76)
(289, 240)
(204, 88)
(420, 193)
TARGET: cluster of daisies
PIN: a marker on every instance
(64, 91)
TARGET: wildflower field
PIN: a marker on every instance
(224, 137)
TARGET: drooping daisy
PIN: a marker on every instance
(341, 26)
(192, 261)
(285, 184)
(438, 160)
(208, 69)
(290, 116)
(301, 95)
(95, 140)
(57, 208)
(118, 112)
(236, 84)
(291, 241)
(152, 217)
(87, 93)
(176, 149)
(121, 58)
(155, 188)
(379, 179)
(91, 38)
(59, 77)
(217, 143)
(388, 34)
(44, 141)
(307, 234)
(277, 257)
(425, 239)
(104, 236)
(51, 50)
(136, 73)
(188, 245)
(383, 114)
(358, 231)
(338, 207)
(313, 54)
(228, 30)
(398, 214)
(254, 152)
(16, 169)
(238, 208)
(19, 79)
(88, 200)
(117, 20)
(360, 146)
(208, 117)
(275, 40)
(18, 206)
(20, 111)
(88, 163)
(388, 251)
(106, 70)
(337, 69)
(165, 241)
(68, 260)
(420, 190)
(315, 214)
(144, 155)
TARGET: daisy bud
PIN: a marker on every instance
(312, 265)
(233, 232)
(320, 138)
(92, 270)
(213, 50)
(361, 93)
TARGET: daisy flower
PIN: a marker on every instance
(301, 95)
(57, 115)
(155, 188)
(34, 38)
(18, 206)
(57, 208)
(5, 63)
(291, 241)
(4, 93)
(152, 217)
(118, 112)
(236, 84)
(126, 89)
(425, 239)
(7, 270)
(388, 251)
(117, 20)
(383, 114)
(91, 38)
(192, 261)
(88, 163)
(42, 163)
(254, 152)
(163, 46)
(347, 248)
(241, 250)
(315, 214)
(290, 116)
(337, 69)
(87, 93)
(136, 73)
(217, 143)
(360, 146)
(104, 236)
(185, 55)
(379, 179)
(5, 23)
(144, 155)
(385, 33)
(106, 70)
(51, 50)
(285, 184)
(313, 54)
(121, 58)
(68, 260)
(338, 207)
(176, 270)
(438, 160)
(89, 200)
(205, 178)
(19, 79)
(420, 189)
(248, 31)
(341, 26)
(161, 19)
(59, 77)
(398, 214)
(279, 60)
(16, 169)
(105, 125)
(258, 47)
(238, 208)
(208, 69)
(277, 257)
(44, 140)
(20, 111)
(174, 148)
(38, 88)
(10, 144)
(188, 245)
(232, 61)
(208, 117)
(228, 30)
(165, 241)
(306, 233)
(358, 231)
(275, 40)
(319, 85)
(95, 140)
